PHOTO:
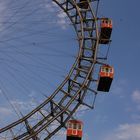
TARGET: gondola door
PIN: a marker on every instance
(74, 130)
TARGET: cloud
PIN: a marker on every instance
(62, 20)
(125, 132)
(50, 6)
(3, 9)
(136, 99)
(136, 117)
(99, 118)
(81, 111)
(119, 88)
(24, 105)
(4, 111)
(61, 17)
(136, 96)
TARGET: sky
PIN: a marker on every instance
(117, 114)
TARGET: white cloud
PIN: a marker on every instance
(3, 9)
(100, 119)
(136, 99)
(61, 17)
(136, 96)
(125, 132)
(81, 111)
(50, 6)
(24, 105)
(138, 107)
(62, 20)
(136, 117)
(5, 111)
(119, 88)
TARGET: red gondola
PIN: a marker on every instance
(106, 30)
(74, 130)
(83, 4)
(105, 78)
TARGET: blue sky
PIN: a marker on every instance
(117, 114)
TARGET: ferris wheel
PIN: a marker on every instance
(88, 74)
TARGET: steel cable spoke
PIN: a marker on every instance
(75, 86)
